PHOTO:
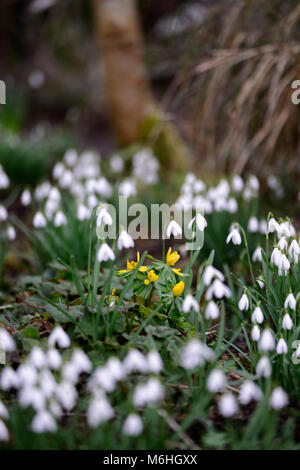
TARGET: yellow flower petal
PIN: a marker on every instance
(178, 288)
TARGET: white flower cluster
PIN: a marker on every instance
(286, 251)
(48, 383)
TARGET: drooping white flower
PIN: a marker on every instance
(26, 197)
(125, 240)
(60, 219)
(201, 222)
(105, 253)
(104, 379)
(83, 212)
(7, 344)
(249, 391)
(244, 302)
(99, 411)
(212, 311)
(4, 434)
(4, 180)
(54, 359)
(27, 374)
(283, 265)
(43, 422)
(228, 405)
(263, 367)
(290, 301)
(189, 304)
(281, 347)
(237, 184)
(234, 236)
(294, 251)
(278, 399)
(39, 220)
(257, 315)
(253, 225)
(32, 396)
(195, 354)
(66, 395)
(173, 229)
(127, 188)
(275, 256)
(3, 411)
(209, 273)
(273, 226)
(257, 255)
(255, 333)
(116, 163)
(37, 357)
(133, 425)
(116, 368)
(134, 361)
(11, 233)
(3, 213)
(154, 361)
(287, 322)
(282, 244)
(216, 381)
(267, 341)
(9, 379)
(148, 393)
(103, 216)
(218, 290)
(58, 337)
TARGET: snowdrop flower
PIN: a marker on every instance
(275, 256)
(234, 236)
(228, 405)
(260, 282)
(237, 184)
(54, 359)
(37, 357)
(263, 227)
(278, 399)
(218, 290)
(43, 422)
(267, 341)
(83, 212)
(134, 361)
(244, 302)
(3, 411)
(60, 219)
(294, 251)
(282, 243)
(255, 333)
(283, 265)
(32, 396)
(212, 311)
(290, 301)
(232, 205)
(11, 233)
(127, 188)
(133, 425)
(4, 434)
(66, 180)
(7, 344)
(257, 255)
(173, 229)
(3, 213)
(39, 220)
(27, 374)
(116, 163)
(148, 393)
(71, 157)
(249, 391)
(287, 322)
(4, 180)
(66, 395)
(116, 369)
(81, 361)
(209, 273)
(195, 354)
(216, 381)
(105, 253)
(201, 222)
(281, 347)
(103, 377)
(99, 411)
(9, 379)
(154, 361)
(190, 303)
(26, 197)
(257, 315)
(273, 226)
(263, 367)
(58, 170)
(253, 224)
(103, 216)
(70, 373)
(125, 240)
(59, 337)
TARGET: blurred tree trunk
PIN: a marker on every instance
(135, 114)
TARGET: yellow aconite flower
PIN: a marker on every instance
(177, 271)
(152, 277)
(172, 258)
(178, 288)
(131, 265)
